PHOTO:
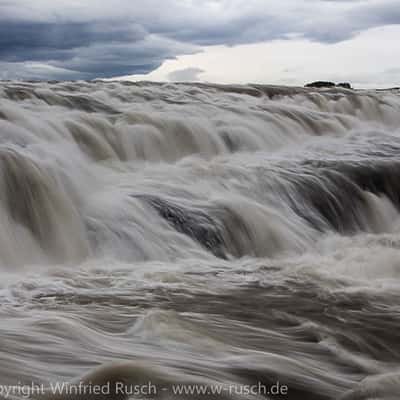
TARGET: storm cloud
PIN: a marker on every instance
(87, 39)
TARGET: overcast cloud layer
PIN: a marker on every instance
(57, 39)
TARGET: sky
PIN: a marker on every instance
(287, 42)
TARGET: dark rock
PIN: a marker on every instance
(326, 84)
(344, 85)
(320, 84)
(193, 222)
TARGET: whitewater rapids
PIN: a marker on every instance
(200, 234)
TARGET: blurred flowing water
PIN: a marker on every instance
(200, 234)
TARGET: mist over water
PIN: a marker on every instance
(200, 234)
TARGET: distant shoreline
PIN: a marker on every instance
(229, 86)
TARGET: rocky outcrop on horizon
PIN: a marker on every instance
(327, 84)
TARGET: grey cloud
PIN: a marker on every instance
(20, 41)
(89, 39)
(113, 59)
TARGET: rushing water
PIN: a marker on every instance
(200, 234)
